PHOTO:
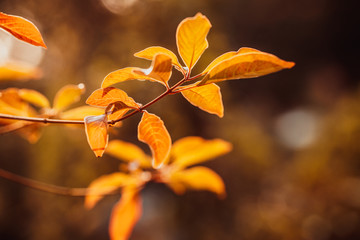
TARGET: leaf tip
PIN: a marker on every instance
(290, 64)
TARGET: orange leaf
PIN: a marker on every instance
(128, 152)
(34, 97)
(117, 110)
(68, 95)
(81, 112)
(150, 52)
(125, 214)
(227, 56)
(191, 38)
(122, 75)
(194, 150)
(104, 96)
(31, 132)
(11, 103)
(207, 98)
(151, 130)
(245, 65)
(197, 178)
(22, 29)
(96, 129)
(106, 184)
(160, 69)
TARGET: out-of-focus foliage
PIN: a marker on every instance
(293, 172)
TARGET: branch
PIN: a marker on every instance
(40, 120)
(64, 121)
(59, 190)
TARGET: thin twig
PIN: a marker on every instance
(59, 190)
(40, 120)
(78, 192)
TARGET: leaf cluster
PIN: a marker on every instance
(169, 163)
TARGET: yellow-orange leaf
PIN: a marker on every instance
(194, 150)
(160, 69)
(118, 109)
(245, 65)
(96, 129)
(128, 152)
(17, 71)
(34, 97)
(191, 38)
(30, 132)
(227, 56)
(106, 184)
(151, 130)
(22, 29)
(150, 52)
(104, 96)
(81, 112)
(125, 214)
(68, 95)
(219, 59)
(207, 98)
(122, 75)
(11, 103)
(197, 178)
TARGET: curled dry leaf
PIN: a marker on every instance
(96, 129)
(245, 65)
(207, 98)
(150, 52)
(106, 184)
(194, 150)
(191, 38)
(197, 178)
(152, 131)
(22, 29)
(34, 97)
(128, 152)
(125, 214)
(68, 95)
(160, 69)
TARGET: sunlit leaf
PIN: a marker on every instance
(159, 70)
(245, 65)
(151, 130)
(128, 152)
(122, 75)
(125, 214)
(34, 97)
(80, 112)
(104, 96)
(117, 110)
(11, 103)
(96, 129)
(17, 71)
(197, 178)
(194, 150)
(106, 184)
(150, 52)
(191, 38)
(227, 56)
(22, 29)
(68, 95)
(207, 98)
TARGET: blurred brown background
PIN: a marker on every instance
(294, 172)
